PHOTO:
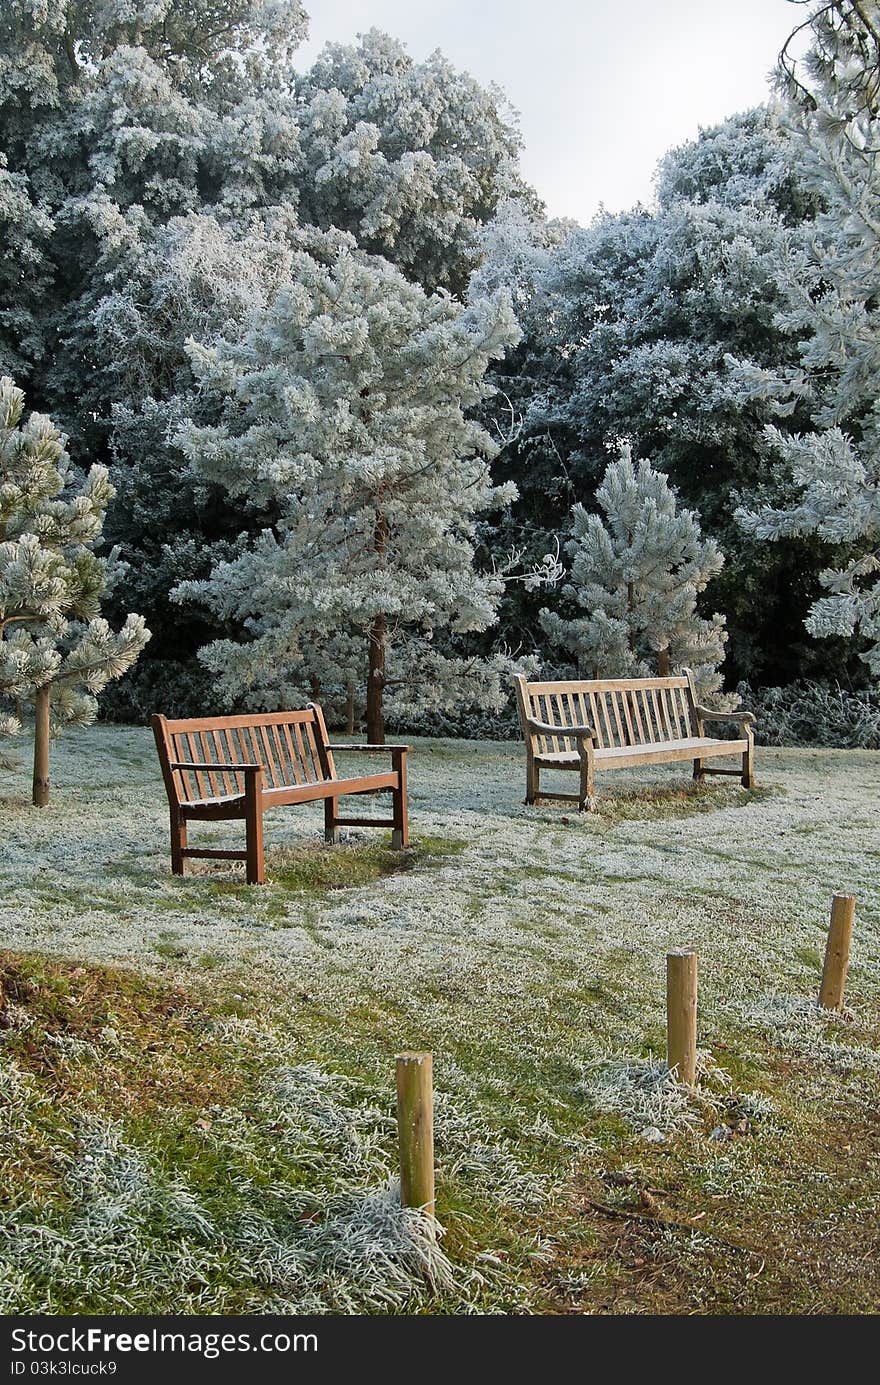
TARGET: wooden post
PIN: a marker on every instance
(681, 1013)
(843, 907)
(415, 1126)
(41, 745)
(255, 870)
(400, 815)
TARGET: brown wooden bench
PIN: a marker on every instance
(236, 767)
(614, 723)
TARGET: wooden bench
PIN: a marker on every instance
(236, 767)
(618, 722)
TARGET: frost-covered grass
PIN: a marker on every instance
(198, 1082)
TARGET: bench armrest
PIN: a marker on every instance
(202, 764)
(545, 728)
(707, 714)
(400, 749)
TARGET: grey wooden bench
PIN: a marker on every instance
(615, 723)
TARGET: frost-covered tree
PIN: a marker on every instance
(24, 281)
(412, 158)
(117, 119)
(116, 116)
(157, 154)
(636, 317)
(636, 574)
(833, 306)
(343, 412)
(55, 648)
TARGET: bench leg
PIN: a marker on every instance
(255, 870)
(533, 777)
(748, 766)
(587, 796)
(400, 813)
(331, 831)
(178, 842)
(698, 772)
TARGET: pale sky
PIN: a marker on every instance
(603, 89)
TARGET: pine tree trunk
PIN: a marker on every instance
(663, 663)
(378, 647)
(41, 745)
(376, 682)
(349, 709)
(631, 606)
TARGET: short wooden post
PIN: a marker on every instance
(255, 869)
(399, 812)
(681, 1013)
(415, 1127)
(843, 908)
(42, 701)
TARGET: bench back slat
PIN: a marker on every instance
(623, 711)
(669, 713)
(614, 699)
(634, 703)
(290, 746)
(684, 711)
(206, 752)
(309, 729)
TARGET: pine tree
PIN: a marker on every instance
(833, 305)
(635, 578)
(344, 412)
(54, 647)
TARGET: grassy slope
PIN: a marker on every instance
(199, 1111)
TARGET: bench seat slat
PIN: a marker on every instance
(330, 788)
(297, 793)
(624, 756)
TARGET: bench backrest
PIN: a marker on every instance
(291, 746)
(623, 711)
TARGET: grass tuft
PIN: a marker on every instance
(314, 868)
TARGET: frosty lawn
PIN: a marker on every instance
(200, 1081)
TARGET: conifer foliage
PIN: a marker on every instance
(636, 573)
(54, 646)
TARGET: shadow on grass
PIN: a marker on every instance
(315, 869)
(657, 801)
